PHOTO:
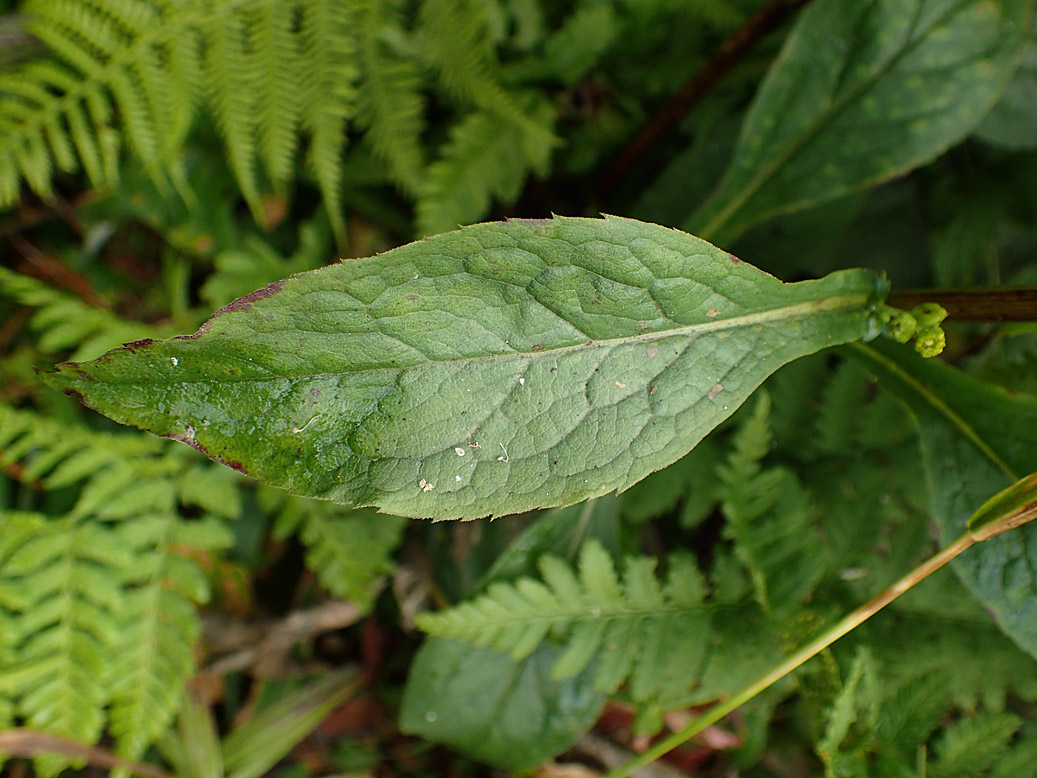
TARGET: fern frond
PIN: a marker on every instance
(838, 424)
(634, 628)
(66, 322)
(274, 73)
(160, 626)
(457, 44)
(482, 160)
(389, 100)
(970, 746)
(329, 72)
(579, 43)
(101, 598)
(350, 550)
(231, 90)
(769, 516)
(278, 101)
(239, 271)
(68, 573)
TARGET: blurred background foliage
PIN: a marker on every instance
(159, 158)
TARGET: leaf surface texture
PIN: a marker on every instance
(496, 369)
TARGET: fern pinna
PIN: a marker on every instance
(638, 619)
(283, 80)
(97, 615)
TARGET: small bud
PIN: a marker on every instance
(928, 314)
(930, 342)
(902, 327)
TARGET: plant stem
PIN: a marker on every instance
(858, 617)
(765, 21)
(980, 305)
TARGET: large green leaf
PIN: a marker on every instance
(864, 90)
(496, 369)
(511, 714)
(977, 439)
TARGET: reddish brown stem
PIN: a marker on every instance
(979, 305)
(762, 23)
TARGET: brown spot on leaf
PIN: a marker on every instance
(233, 464)
(537, 347)
(714, 390)
(239, 305)
(75, 395)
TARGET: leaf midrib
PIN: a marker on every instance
(834, 304)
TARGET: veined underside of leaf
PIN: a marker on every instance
(496, 369)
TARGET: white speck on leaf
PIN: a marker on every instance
(175, 361)
(504, 458)
(457, 478)
(459, 451)
(620, 385)
(297, 430)
(714, 390)
(522, 382)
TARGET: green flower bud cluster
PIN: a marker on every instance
(921, 323)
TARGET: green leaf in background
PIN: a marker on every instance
(560, 710)
(507, 713)
(1012, 123)
(862, 92)
(492, 370)
(977, 439)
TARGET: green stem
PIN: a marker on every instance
(859, 616)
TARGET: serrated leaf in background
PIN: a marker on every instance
(496, 369)
(862, 92)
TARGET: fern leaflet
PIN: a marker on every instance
(769, 516)
(482, 160)
(350, 550)
(64, 321)
(100, 600)
(633, 628)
